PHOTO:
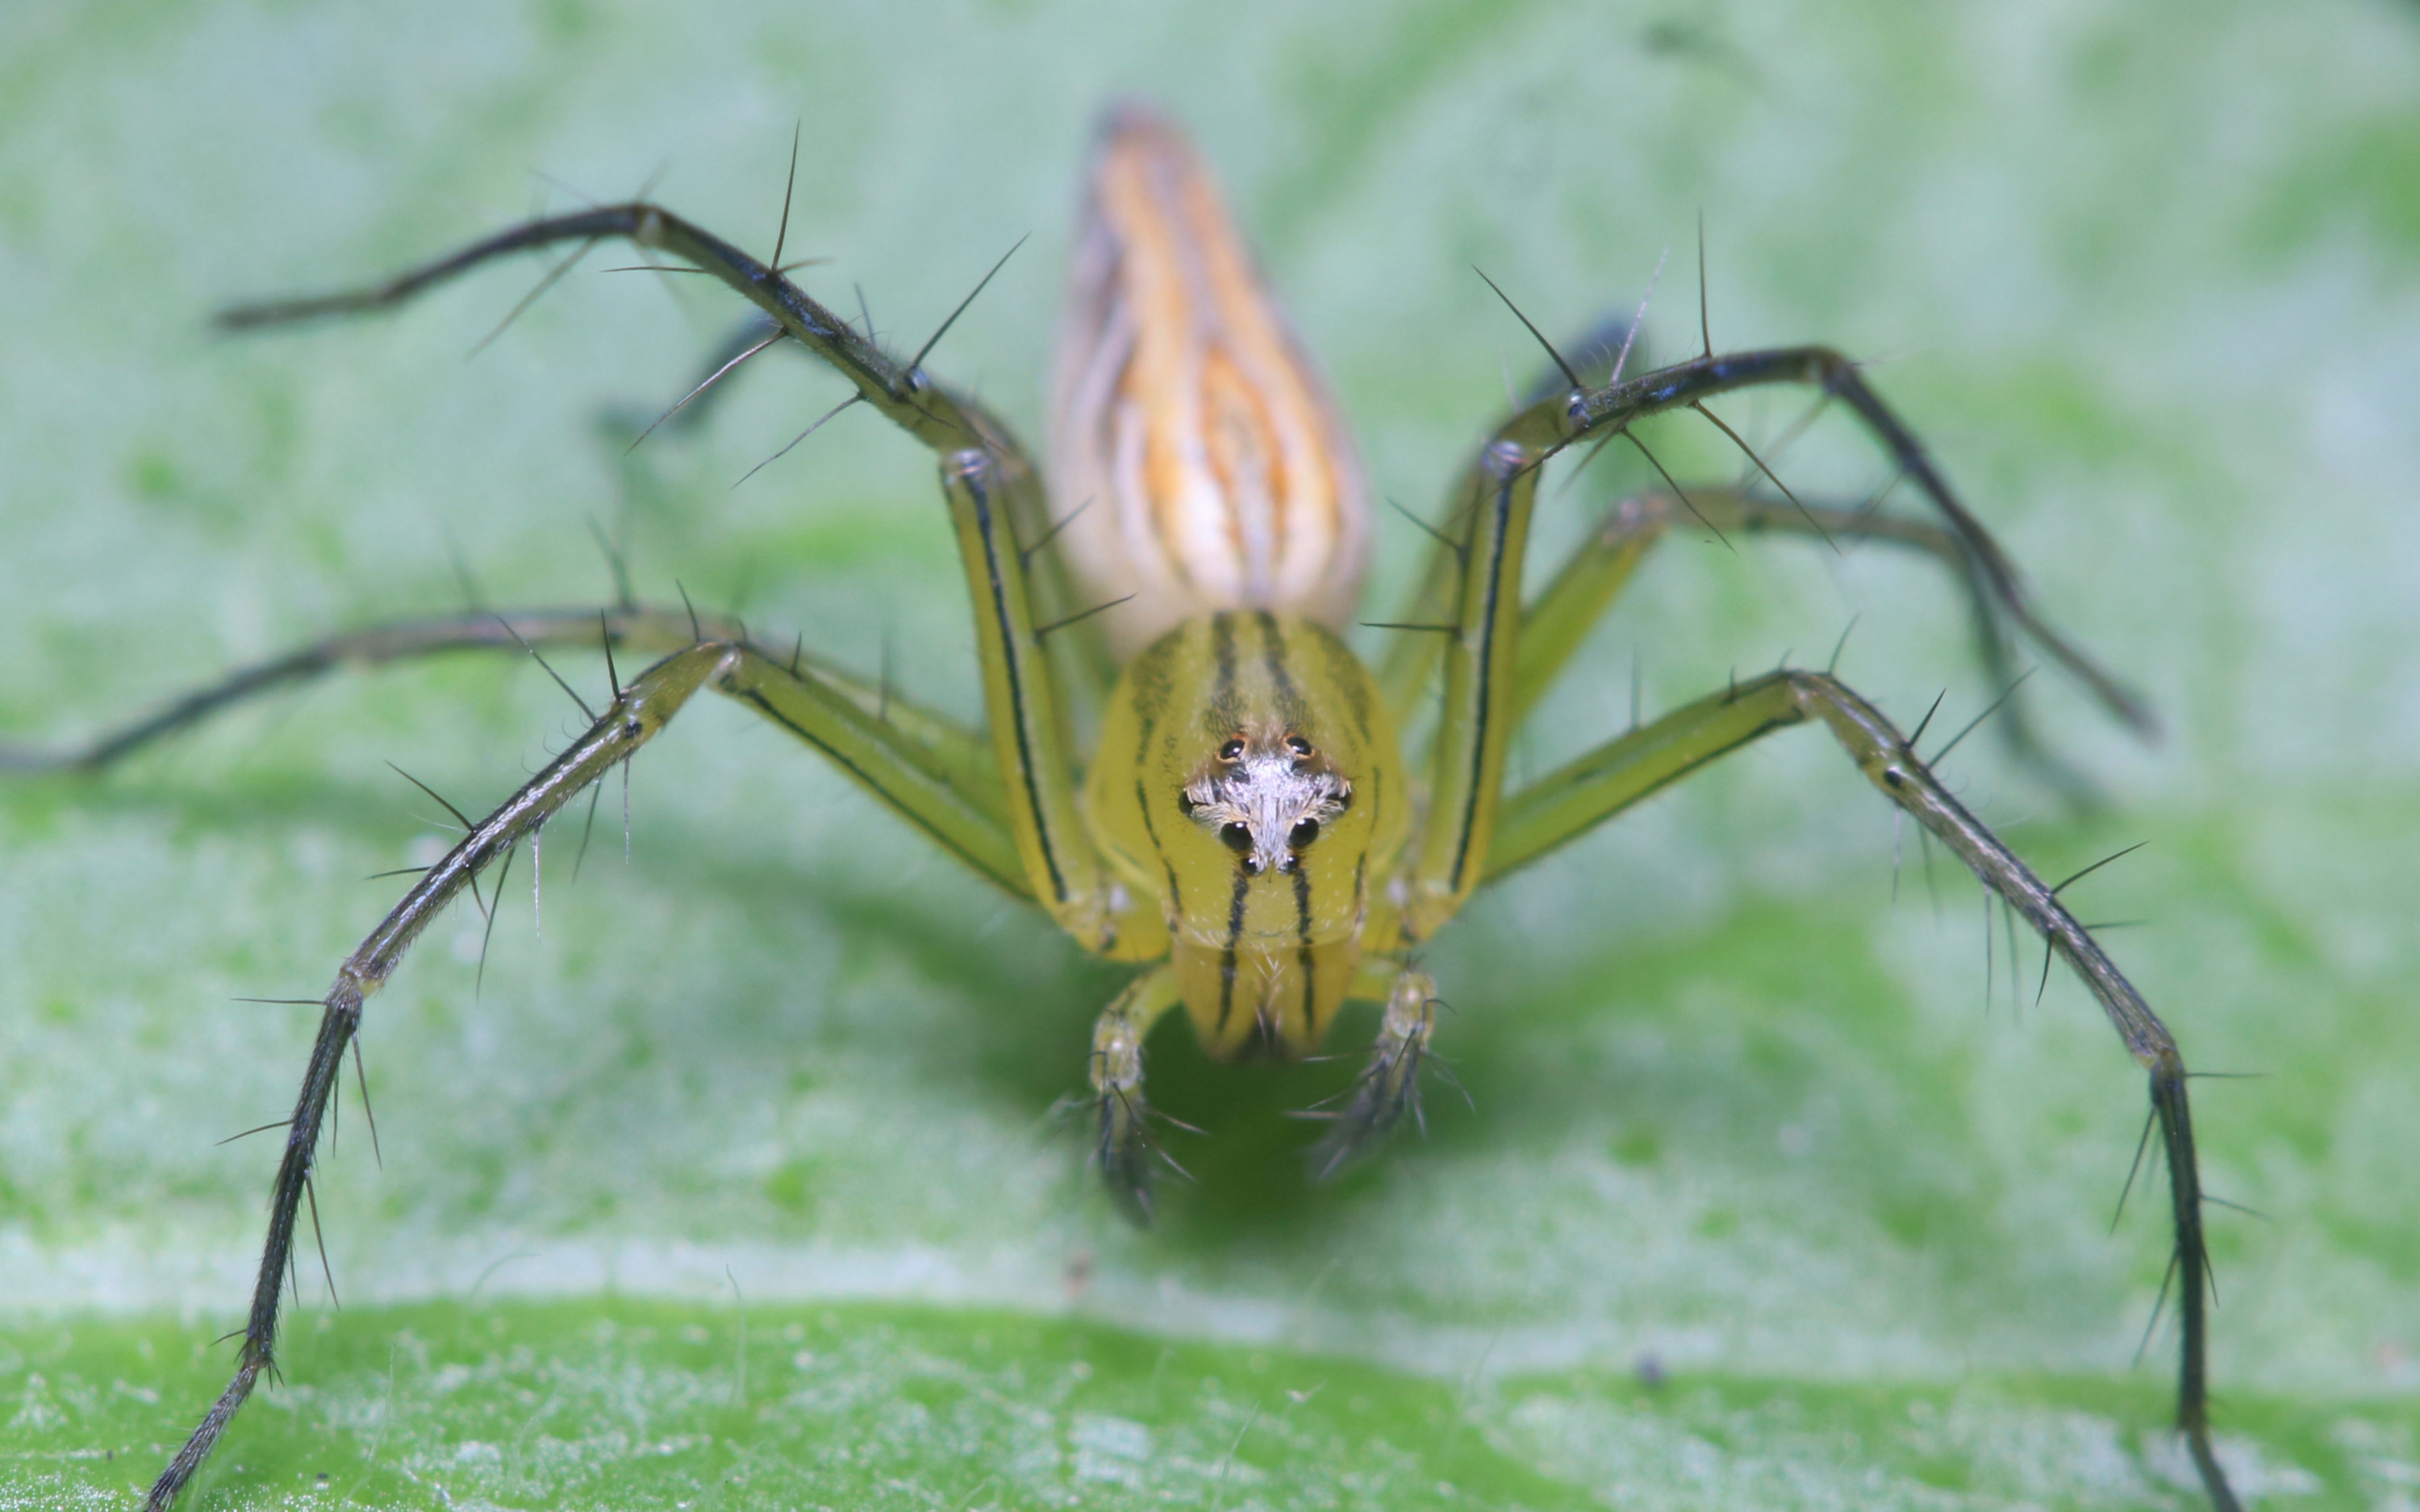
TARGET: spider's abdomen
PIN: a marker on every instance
(1200, 455)
(1247, 777)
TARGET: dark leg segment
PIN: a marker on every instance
(1570, 802)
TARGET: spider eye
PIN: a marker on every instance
(1185, 804)
(1231, 749)
(1302, 834)
(1236, 836)
(1297, 745)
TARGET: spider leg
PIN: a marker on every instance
(1389, 1087)
(1470, 595)
(933, 740)
(1594, 575)
(995, 500)
(1080, 657)
(644, 708)
(1562, 614)
(1030, 724)
(823, 716)
(933, 415)
(928, 737)
(1607, 409)
(903, 393)
(963, 814)
(1568, 803)
(1122, 1144)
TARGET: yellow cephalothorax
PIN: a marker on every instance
(1247, 780)
(1244, 825)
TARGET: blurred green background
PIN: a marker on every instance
(738, 1186)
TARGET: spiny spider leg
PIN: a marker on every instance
(1473, 588)
(1389, 1087)
(1559, 617)
(995, 501)
(826, 719)
(1538, 433)
(1470, 832)
(643, 709)
(1122, 1141)
(1701, 378)
(936, 416)
(1081, 658)
(946, 748)
(941, 421)
(1591, 789)
(1567, 607)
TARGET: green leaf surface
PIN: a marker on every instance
(736, 1184)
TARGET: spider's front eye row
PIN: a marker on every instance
(1230, 750)
(1236, 836)
(1302, 834)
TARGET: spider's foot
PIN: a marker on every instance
(1389, 1090)
(1122, 1144)
(1122, 1150)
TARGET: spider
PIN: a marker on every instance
(1181, 761)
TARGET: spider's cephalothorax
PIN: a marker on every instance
(1247, 828)
(1247, 780)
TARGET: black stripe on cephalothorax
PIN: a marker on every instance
(1224, 713)
(1303, 952)
(1227, 956)
(1175, 891)
(1274, 652)
(1148, 679)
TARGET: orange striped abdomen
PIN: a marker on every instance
(1210, 465)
